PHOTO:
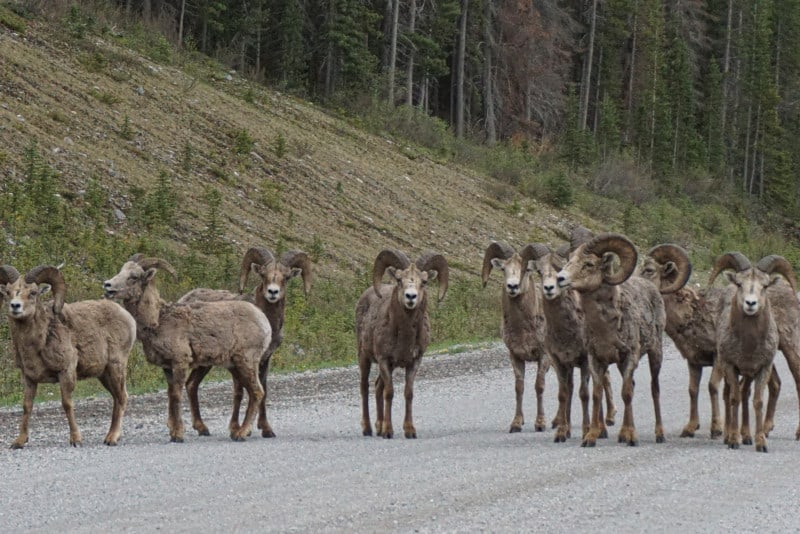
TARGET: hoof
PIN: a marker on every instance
(110, 442)
(176, 440)
(761, 448)
(203, 432)
(17, 446)
(538, 428)
(687, 434)
(633, 443)
(603, 434)
(747, 441)
(716, 434)
(388, 435)
(660, 439)
(733, 445)
(268, 433)
(367, 432)
(235, 437)
(560, 439)
(411, 435)
(514, 429)
(76, 444)
(588, 443)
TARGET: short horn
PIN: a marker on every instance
(730, 260)
(622, 247)
(158, 263)
(300, 260)
(778, 264)
(678, 256)
(495, 249)
(47, 274)
(258, 255)
(387, 258)
(8, 274)
(438, 263)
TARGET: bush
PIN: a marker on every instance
(559, 190)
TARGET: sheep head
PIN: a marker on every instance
(410, 278)
(136, 274)
(51, 277)
(548, 267)
(667, 266)
(437, 269)
(515, 266)
(751, 283)
(778, 265)
(23, 293)
(592, 263)
(275, 274)
(8, 275)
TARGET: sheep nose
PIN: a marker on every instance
(512, 287)
(411, 296)
(561, 279)
(15, 306)
(751, 303)
(273, 293)
(549, 288)
(106, 285)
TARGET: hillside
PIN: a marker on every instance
(99, 110)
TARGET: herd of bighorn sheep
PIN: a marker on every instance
(583, 305)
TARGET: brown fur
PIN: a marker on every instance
(89, 339)
(181, 337)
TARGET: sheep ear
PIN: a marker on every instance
(670, 268)
(432, 274)
(296, 271)
(44, 288)
(731, 276)
(391, 271)
(608, 263)
(497, 263)
(774, 278)
(255, 268)
(149, 274)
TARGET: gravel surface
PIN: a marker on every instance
(465, 473)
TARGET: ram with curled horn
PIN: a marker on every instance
(182, 337)
(624, 318)
(522, 324)
(61, 343)
(393, 331)
(757, 315)
(269, 296)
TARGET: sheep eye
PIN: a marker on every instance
(588, 265)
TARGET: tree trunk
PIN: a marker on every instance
(726, 64)
(587, 74)
(412, 22)
(488, 92)
(180, 24)
(746, 165)
(756, 149)
(329, 53)
(629, 103)
(462, 48)
(393, 50)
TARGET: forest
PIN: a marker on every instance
(687, 89)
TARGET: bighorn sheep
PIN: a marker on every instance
(747, 334)
(523, 323)
(691, 324)
(625, 318)
(393, 330)
(181, 337)
(270, 297)
(56, 342)
(565, 341)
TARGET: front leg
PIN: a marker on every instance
(695, 375)
(388, 395)
(192, 389)
(598, 427)
(713, 392)
(627, 432)
(408, 422)
(176, 379)
(263, 422)
(29, 393)
(744, 387)
(66, 381)
(733, 437)
(518, 366)
(541, 370)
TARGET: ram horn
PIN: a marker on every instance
(678, 256)
(437, 262)
(258, 255)
(496, 249)
(157, 263)
(8, 274)
(730, 260)
(387, 257)
(622, 247)
(778, 264)
(299, 259)
(579, 236)
(47, 274)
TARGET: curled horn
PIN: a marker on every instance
(300, 260)
(157, 263)
(533, 251)
(258, 255)
(669, 252)
(563, 251)
(136, 257)
(579, 236)
(622, 247)
(495, 249)
(730, 260)
(8, 274)
(47, 274)
(778, 264)
(438, 263)
(387, 258)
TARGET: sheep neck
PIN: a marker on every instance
(603, 310)
(524, 306)
(275, 313)
(146, 309)
(406, 323)
(750, 329)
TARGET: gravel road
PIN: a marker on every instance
(465, 473)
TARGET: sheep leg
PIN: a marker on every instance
(238, 396)
(364, 368)
(518, 365)
(379, 415)
(774, 387)
(388, 395)
(176, 379)
(759, 382)
(734, 399)
(115, 384)
(29, 393)
(654, 358)
(695, 375)
(713, 393)
(248, 378)
(66, 381)
(598, 425)
(611, 409)
(744, 387)
(563, 372)
(408, 422)
(541, 370)
(627, 433)
(568, 408)
(793, 361)
(263, 423)
(583, 393)
(192, 388)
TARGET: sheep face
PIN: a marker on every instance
(274, 277)
(129, 283)
(515, 274)
(548, 268)
(585, 271)
(751, 289)
(22, 298)
(411, 284)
